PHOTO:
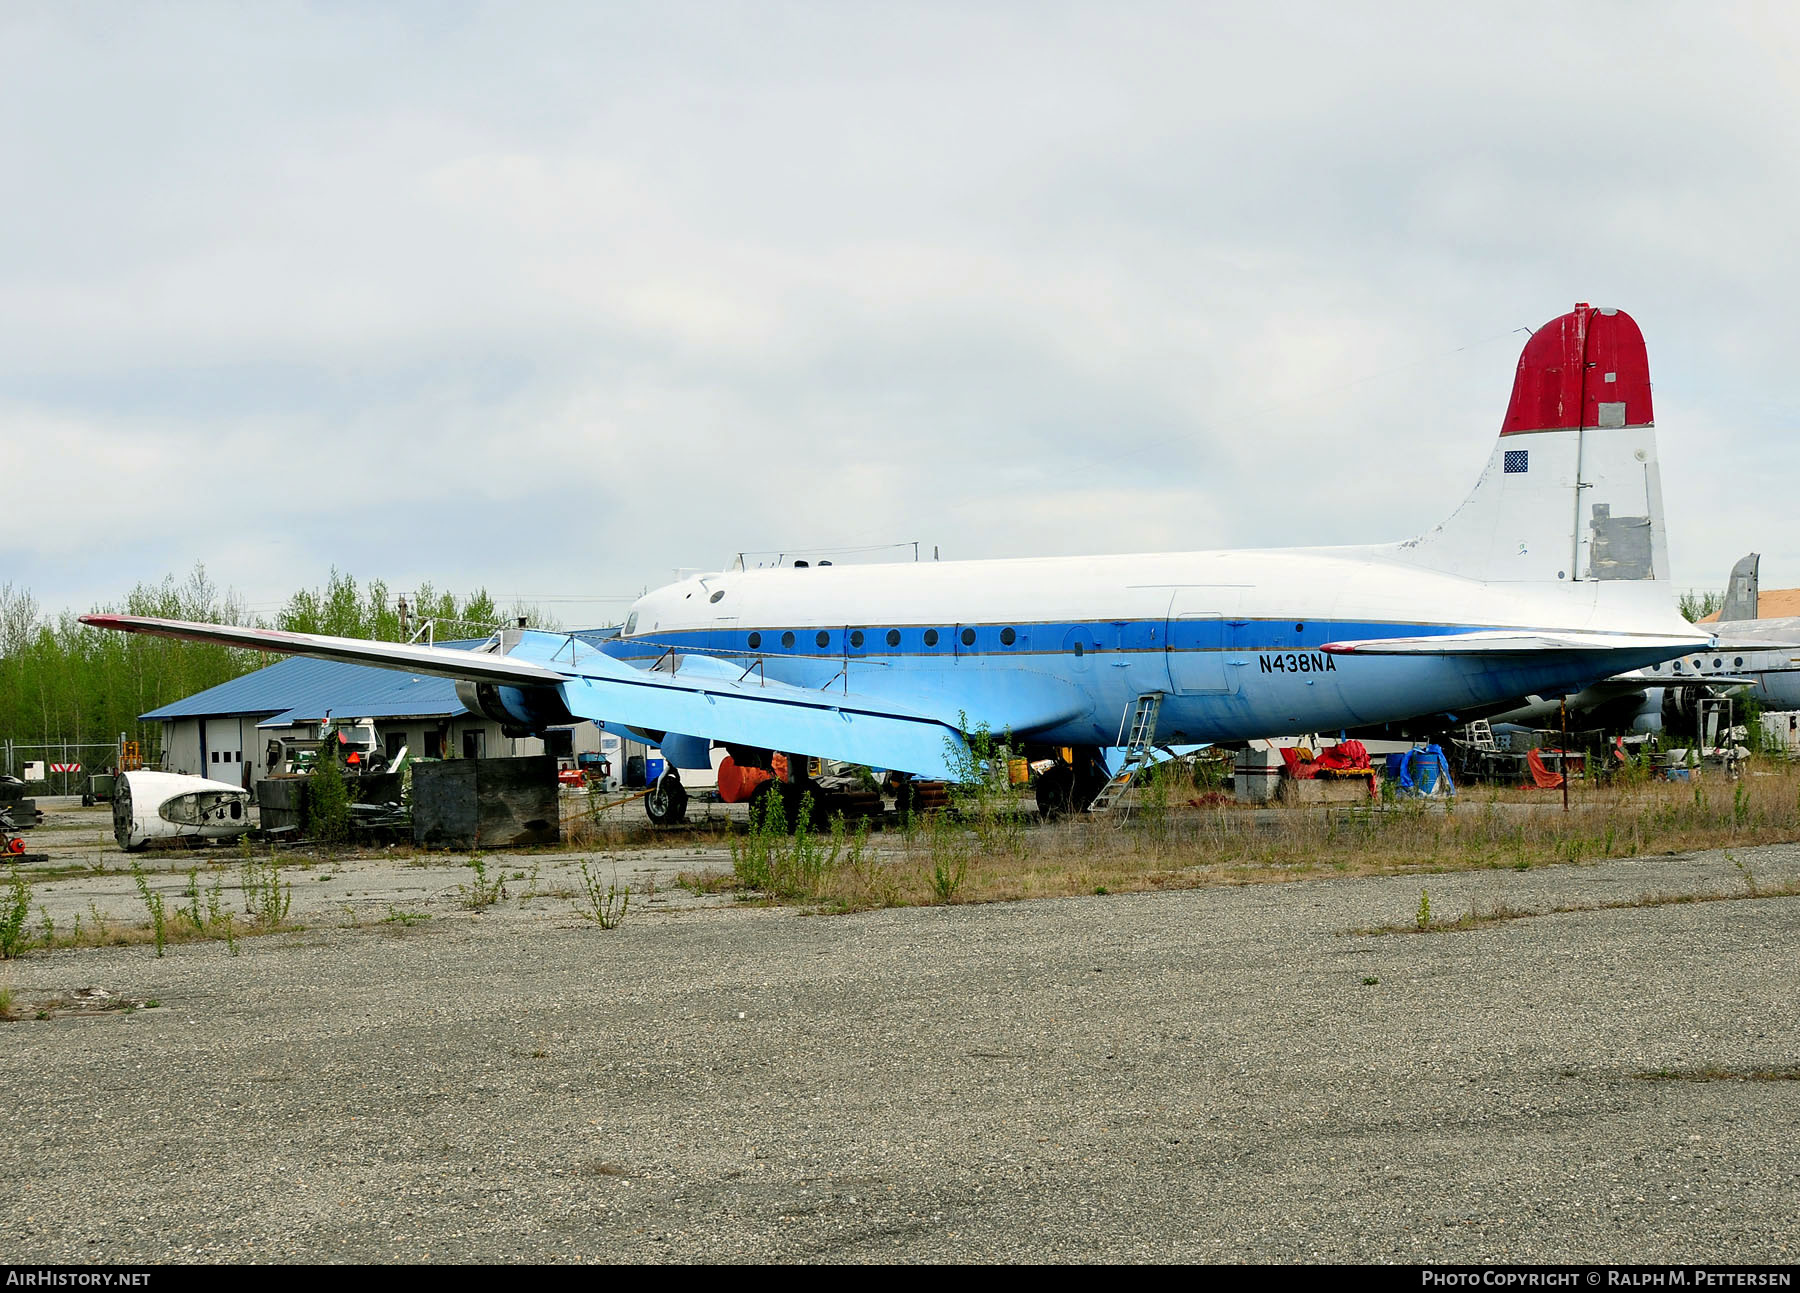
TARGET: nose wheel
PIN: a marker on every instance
(666, 804)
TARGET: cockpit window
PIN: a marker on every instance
(630, 624)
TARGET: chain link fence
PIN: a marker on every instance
(63, 767)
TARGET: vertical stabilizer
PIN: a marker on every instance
(1572, 491)
(1741, 591)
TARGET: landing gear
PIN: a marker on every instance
(1056, 792)
(1066, 789)
(790, 794)
(666, 804)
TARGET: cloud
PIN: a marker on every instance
(557, 299)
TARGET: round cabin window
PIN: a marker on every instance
(968, 637)
(893, 637)
(787, 639)
(856, 639)
(1008, 637)
(755, 640)
(715, 597)
(930, 637)
(824, 639)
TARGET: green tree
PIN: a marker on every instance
(327, 800)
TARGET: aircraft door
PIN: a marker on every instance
(1079, 645)
(1199, 639)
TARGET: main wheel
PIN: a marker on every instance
(1056, 792)
(666, 804)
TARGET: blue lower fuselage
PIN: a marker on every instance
(1074, 682)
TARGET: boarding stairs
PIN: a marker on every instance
(1480, 736)
(1137, 733)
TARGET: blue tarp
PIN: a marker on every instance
(1422, 770)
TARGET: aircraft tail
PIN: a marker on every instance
(1741, 591)
(1572, 492)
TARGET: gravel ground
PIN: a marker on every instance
(1213, 1075)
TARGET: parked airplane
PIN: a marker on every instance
(1551, 575)
(1753, 658)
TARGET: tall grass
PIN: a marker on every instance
(1182, 837)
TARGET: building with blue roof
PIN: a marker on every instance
(233, 732)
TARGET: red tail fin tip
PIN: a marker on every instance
(1585, 369)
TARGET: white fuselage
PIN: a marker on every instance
(1232, 639)
(151, 806)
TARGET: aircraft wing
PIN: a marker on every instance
(711, 699)
(434, 661)
(1509, 642)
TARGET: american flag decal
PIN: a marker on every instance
(1517, 460)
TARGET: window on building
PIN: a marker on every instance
(474, 744)
(392, 743)
(561, 744)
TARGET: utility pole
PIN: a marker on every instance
(1565, 753)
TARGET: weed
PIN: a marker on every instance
(950, 851)
(404, 919)
(7, 1010)
(481, 893)
(192, 894)
(1370, 981)
(754, 862)
(13, 909)
(605, 907)
(266, 896)
(1744, 871)
(1422, 918)
(981, 789)
(153, 902)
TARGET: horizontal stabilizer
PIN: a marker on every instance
(1512, 641)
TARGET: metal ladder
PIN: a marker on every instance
(1481, 736)
(1141, 722)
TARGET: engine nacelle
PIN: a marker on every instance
(520, 711)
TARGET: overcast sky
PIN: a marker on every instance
(556, 299)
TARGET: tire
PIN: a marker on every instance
(666, 804)
(1056, 792)
(792, 794)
